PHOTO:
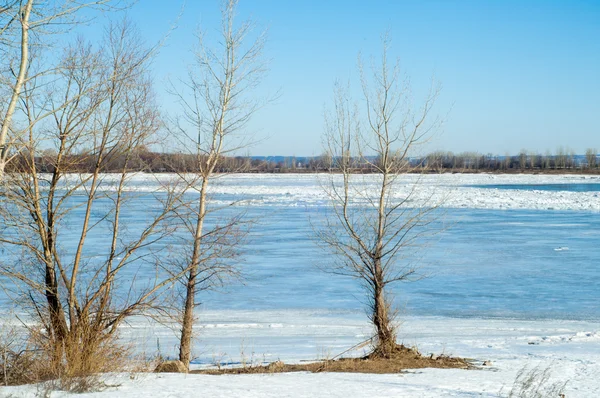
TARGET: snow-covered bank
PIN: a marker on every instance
(425, 383)
(301, 335)
(571, 349)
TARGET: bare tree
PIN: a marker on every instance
(547, 160)
(507, 161)
(20, 23)
(591, 158)
(435, 161)
(53, 222)
(560, 159)
(373, 231)
(523, 159)
(534, 160)
(216, 112)
(571, 162)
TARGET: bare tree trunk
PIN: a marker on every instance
(57, 315)
(16, 92)
(58, 328)
(185, 347)
(386, 338)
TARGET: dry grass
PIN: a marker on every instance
(75, 365)
(402, 358)
(18, 360)
(535, 383)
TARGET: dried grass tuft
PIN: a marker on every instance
(535, 383)
(74, 364)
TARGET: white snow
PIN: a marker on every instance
(571, 349)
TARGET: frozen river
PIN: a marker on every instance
(487, 263)
(508, 248)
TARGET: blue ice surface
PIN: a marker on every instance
(526, 264)
(486, 263)
(576, 187)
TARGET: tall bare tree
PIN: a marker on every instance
(217, 108)
(373, 231)
(547, 160)
(591, 157)
(561, 158)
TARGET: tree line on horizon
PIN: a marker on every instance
(142, 159)
(561, 159)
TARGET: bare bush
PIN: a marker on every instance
(17, 361)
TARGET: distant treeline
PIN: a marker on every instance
(560, 160)
(157, 162)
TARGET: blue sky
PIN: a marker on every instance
(514, 74)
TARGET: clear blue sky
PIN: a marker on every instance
(515, 74)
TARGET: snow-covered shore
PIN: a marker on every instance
(570, 349)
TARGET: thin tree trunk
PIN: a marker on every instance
(381, 317)
(57, 314)
(185, 347)
(10, 111)
(386, 338)
(58, 322)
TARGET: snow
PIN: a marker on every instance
(284, 385)
(514, 281)
(571, 349)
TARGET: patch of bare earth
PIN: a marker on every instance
(400, 359)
